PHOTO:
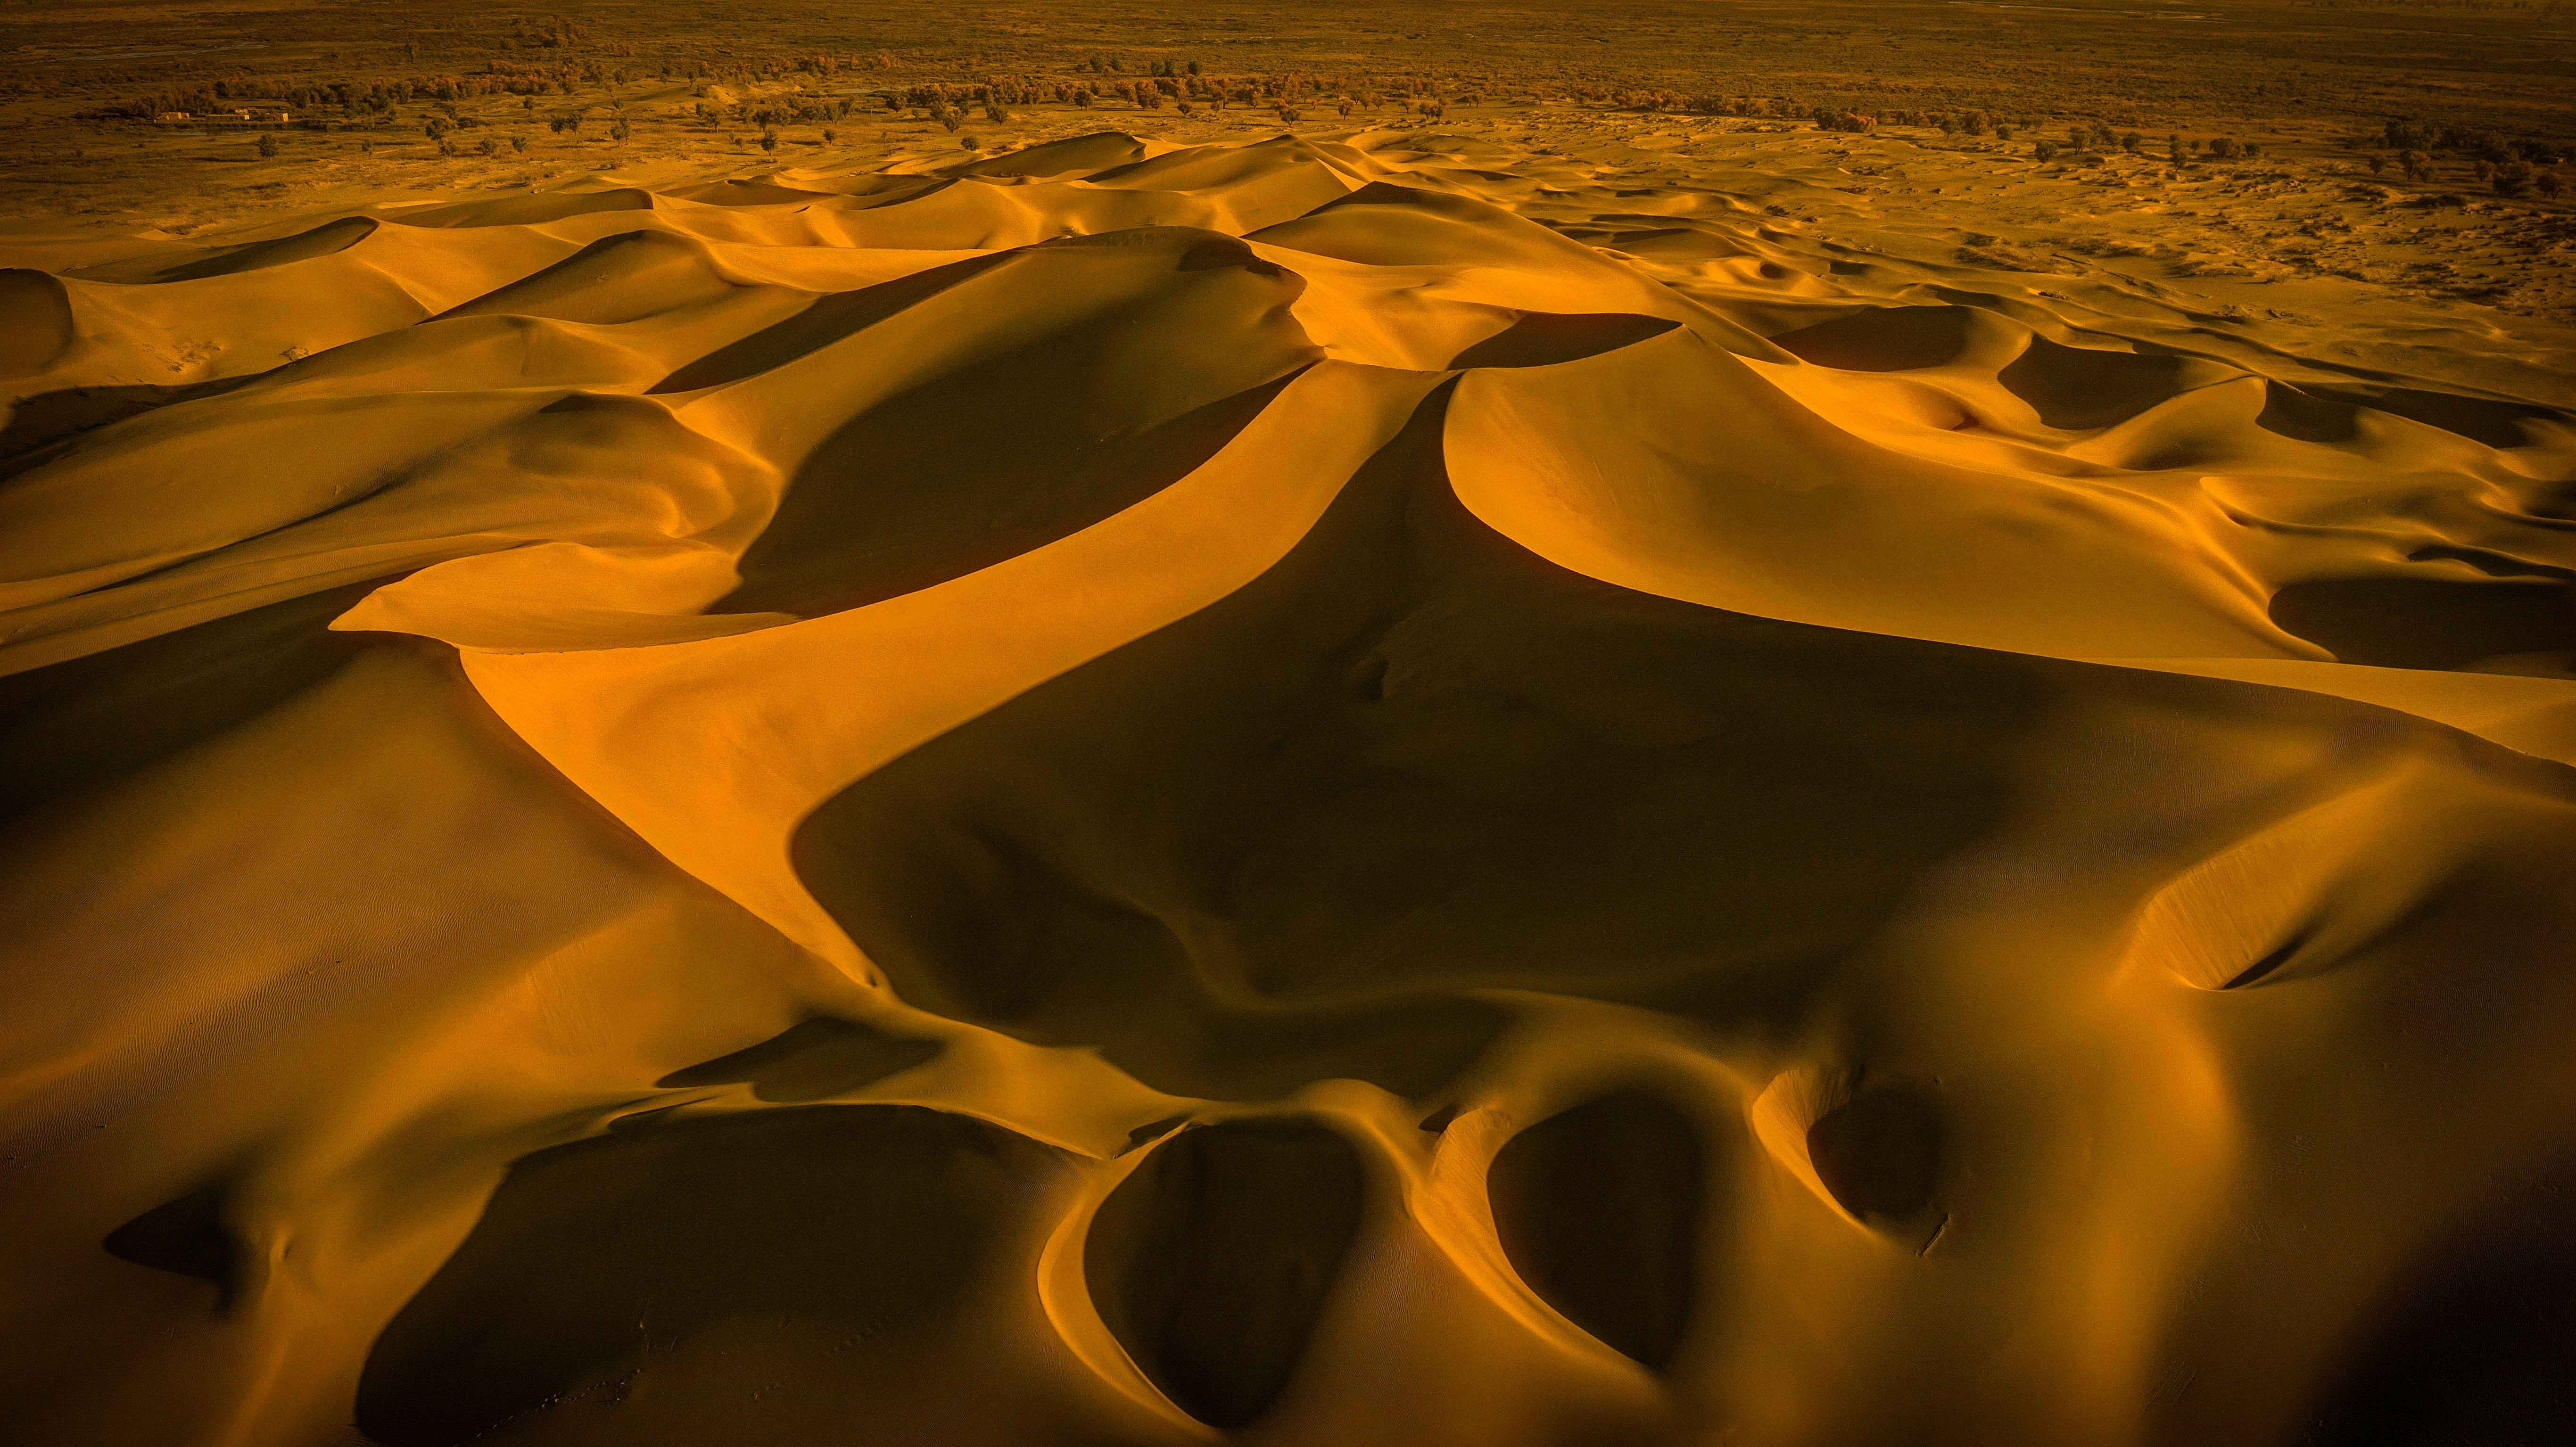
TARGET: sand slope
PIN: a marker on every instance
(1341, 790)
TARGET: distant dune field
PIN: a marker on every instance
(1396, 785)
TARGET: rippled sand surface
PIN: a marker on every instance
(1338, 791)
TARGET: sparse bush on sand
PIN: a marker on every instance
(267, 146)
(2046, 151)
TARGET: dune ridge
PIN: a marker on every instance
(1326, 790)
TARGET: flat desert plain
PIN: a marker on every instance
(1779, 726)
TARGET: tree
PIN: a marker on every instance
(2225, 148)
(2511, 179)
(2046, 151)
(617, 132)
(828, 137)
(2547, 184)
(267, 145)
(436, 128)
(2133, 143)
(2415, 164)
(768, 140)
(489, 146)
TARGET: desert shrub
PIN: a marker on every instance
(2415, 164)
(489, 146)
(1082, 97)
(1184, 107)
(436, 128)
(1289, 114)
(970, 142)
(769, 140)
(2098, 136)
(2133, 143)
(2407, 135)
(518, 142)
(1829, 119)
(2003, 133)
(2175, 151)
(2046, 151)
(267, 145)
(2547, 184)
(828, 137)
(996, 112)
(616, 132)
(2511, 179)
(2377, 163)
(1976, 123)
(2225, 148)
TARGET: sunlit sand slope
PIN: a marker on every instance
(1351, 791)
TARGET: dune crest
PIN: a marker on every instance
(1121, 793)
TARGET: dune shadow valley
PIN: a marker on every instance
(1451, 723)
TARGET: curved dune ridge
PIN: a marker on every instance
(1330, 791)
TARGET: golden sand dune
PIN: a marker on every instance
(1351, 791)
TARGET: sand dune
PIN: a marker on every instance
(1332, 790)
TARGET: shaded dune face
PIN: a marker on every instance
(1312, 793)
(1456, 766)
(1600, 1210)
(876, 1224)
(1179, 338)
(1211, 1263)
